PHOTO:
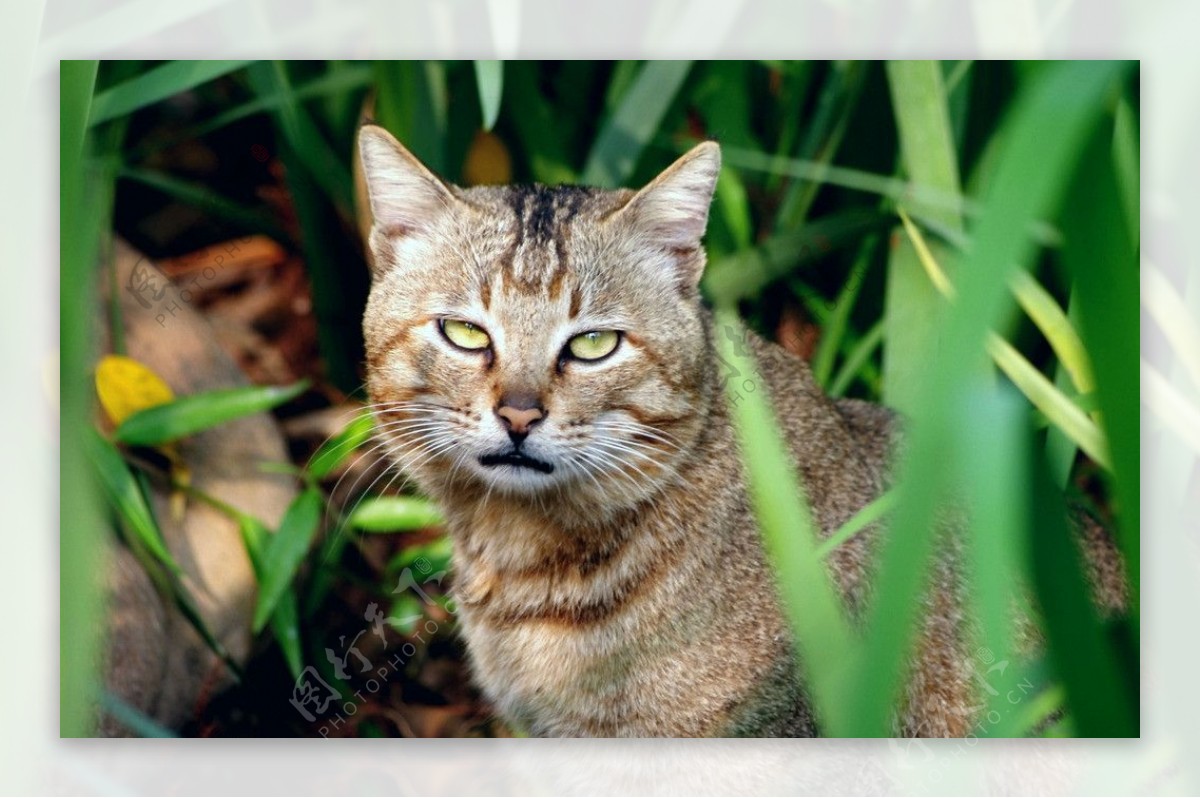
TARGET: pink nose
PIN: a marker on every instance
(519, 420)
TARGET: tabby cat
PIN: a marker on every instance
(541, 364)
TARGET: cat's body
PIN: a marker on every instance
(609, 574)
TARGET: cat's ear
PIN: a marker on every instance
(405, 197)
(673, 209)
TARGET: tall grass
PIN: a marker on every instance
(905, 210)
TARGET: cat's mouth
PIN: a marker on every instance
(516, 459)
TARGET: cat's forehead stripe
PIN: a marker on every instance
(538, 254)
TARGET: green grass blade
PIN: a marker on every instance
(158, 84)
(1128, 167)
(533, 118)
(875, 511)
(205, 199)
(834, 329)
(286, 551)
(285, 619)
(126, 497)
(394, 514)
(857, 359)
(993, 450)
(811, 604)
(1046, 130)
(635, 121)
(489, 78)
(835, 105)
(81, 593)
(411, 102)
(1101, 687)
(191, 414)
(912, 307)
(1060, 410)
(1101, 256)
(327, 167)
(331, 454)
(747, 273)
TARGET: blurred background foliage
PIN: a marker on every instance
(955, 239)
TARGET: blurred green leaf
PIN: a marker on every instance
(436, 553)
(394, 514)
(635, 121)
(156, 85)
(286, 551)
(191, 414)
(489, 77)
(334, 451)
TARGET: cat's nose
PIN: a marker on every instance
(519, 414)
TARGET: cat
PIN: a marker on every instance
(541, 364)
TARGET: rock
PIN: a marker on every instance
(154, 659)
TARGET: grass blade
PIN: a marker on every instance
(334, 451)
(82, 201)
(1045, 131)
(394, 514)
(285, 619)
(748, 272)
(1082, 649)
(874, 511)
(857, 360)
(286, 551)
(636, 119)
(126, 497)
(1101, 256)
(205, 199)
(191, 414)
(834, 329)
(993, 450)
(912, 307)
(811, 604)
(489, 77)
(157, 84)
(1060, 410)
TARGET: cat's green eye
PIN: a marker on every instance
(465, 334)
(594, 345)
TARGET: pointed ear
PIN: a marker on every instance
(673, 208)
(405, 196)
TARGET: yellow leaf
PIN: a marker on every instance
(488, 162)
(126, 386)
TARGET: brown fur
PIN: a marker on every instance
(626, 593)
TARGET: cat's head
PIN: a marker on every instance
(532, 341)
